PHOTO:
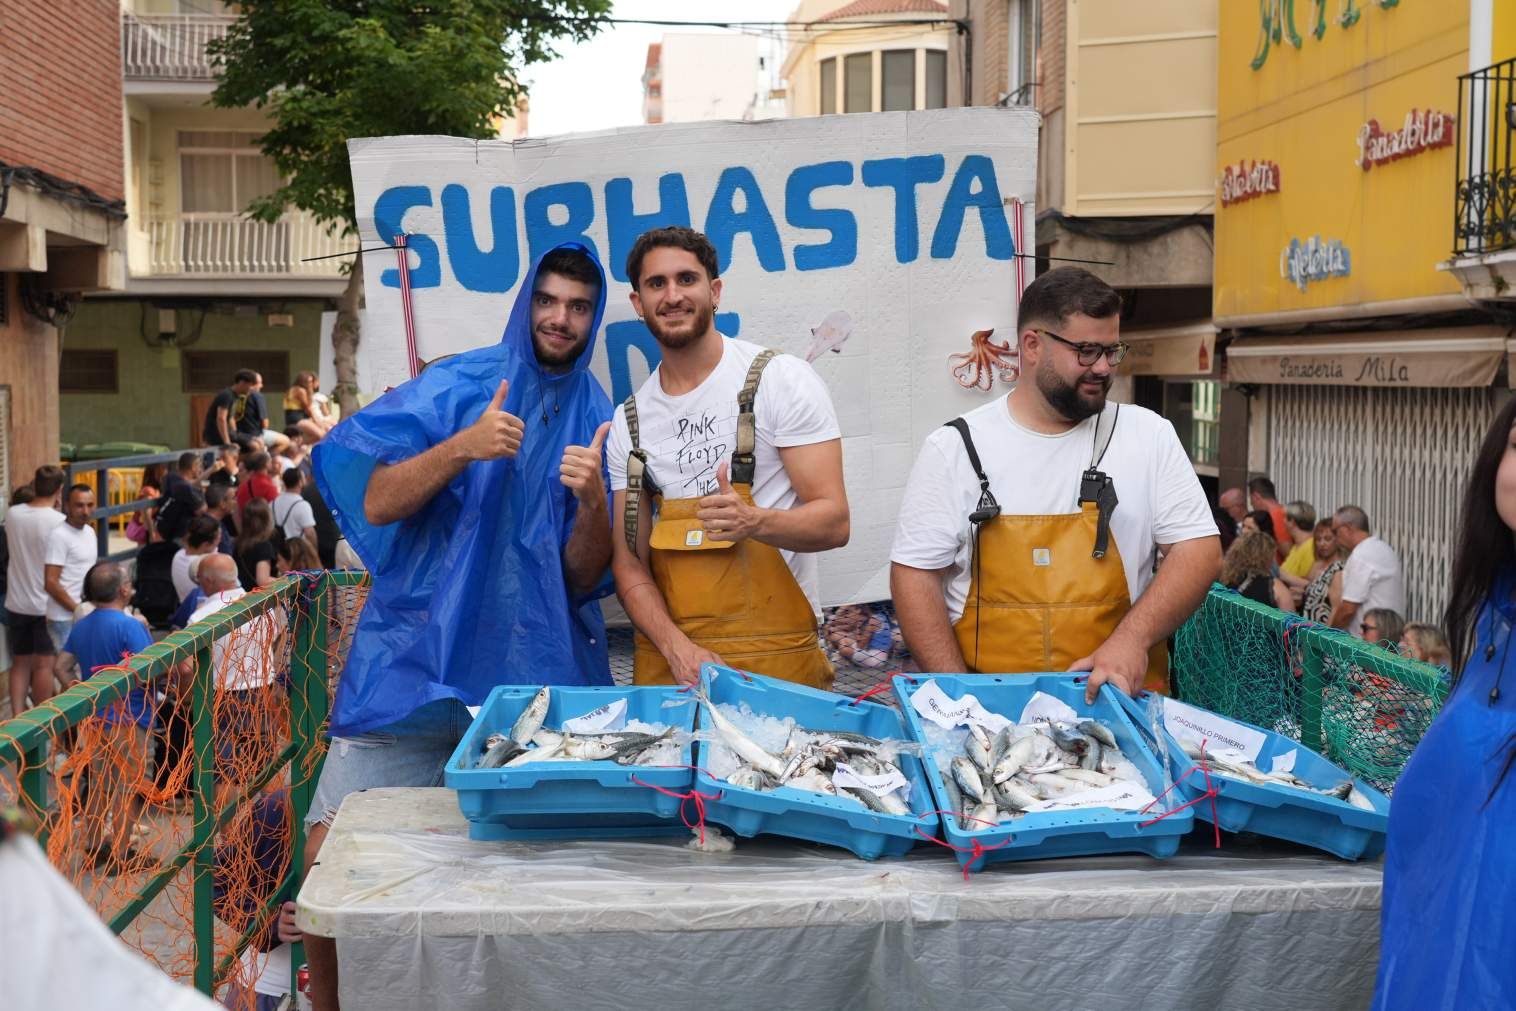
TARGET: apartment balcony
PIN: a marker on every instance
(163, 55)
(1484, 194)
(230, 254)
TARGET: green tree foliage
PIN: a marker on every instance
(325, 71)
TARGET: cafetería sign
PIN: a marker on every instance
(1315, 259)
(1247, 180)
(1423, 130)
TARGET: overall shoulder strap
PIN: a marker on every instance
(988, 508)
(1105, 427)
(743, 460)
(636, 474)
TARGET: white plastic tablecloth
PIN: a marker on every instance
(425, 917)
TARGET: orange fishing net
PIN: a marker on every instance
(119, 786)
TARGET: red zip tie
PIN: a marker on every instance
(881, 687)
(693, 794)
(1210, 792)
(977, 850)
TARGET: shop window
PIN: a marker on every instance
(858, 83)
(828, 86)
(212, 371)
(82, 370)
(898, 70)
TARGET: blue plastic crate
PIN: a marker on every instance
(1282, 812)
(802, 814)
(569, 800)
(1051, 833)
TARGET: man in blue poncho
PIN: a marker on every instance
(476, 496)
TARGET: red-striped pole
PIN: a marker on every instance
(405, 305)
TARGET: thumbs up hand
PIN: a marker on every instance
(580, 470)
(725, 515)
(497, 433)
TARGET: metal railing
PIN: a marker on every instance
(101, 470)
(230, 245)
(169, 47)
(24, 744)
(1484, 196)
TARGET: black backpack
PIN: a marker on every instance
(156, 597)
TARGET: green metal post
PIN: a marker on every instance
(1312, 686)
(204, 779)
(308, 708)
(34, 779)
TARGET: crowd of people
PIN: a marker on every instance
(1333, 570)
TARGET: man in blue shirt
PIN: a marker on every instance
(107, 637)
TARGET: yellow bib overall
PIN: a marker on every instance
(1038, 597)
(737, 599)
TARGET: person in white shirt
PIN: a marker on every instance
(27, 526)
(726, 468)
(292, 512)
(245, 664)
(72, 547)
(1031, 527)
(201, 539)
(1373, 576)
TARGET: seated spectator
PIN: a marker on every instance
(1325, 586)
(1248, 568)
(103, 638)
(256, 550)
(1257, 521)
(295, 554)
(224, 470)
(142, 527)
(201, 539)
(218, 503)
(292, 513)
(1383, 627)
(182, 500)
(1426, 643)
(295, 455)
(256, 484)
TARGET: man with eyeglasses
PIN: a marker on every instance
(1031, 527)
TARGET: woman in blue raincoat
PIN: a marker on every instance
(1448, 927)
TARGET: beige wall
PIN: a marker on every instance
(1141, 107)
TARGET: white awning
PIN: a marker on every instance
(1188, 349)
(1440, 357)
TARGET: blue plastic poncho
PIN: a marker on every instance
(1448, 925)
(470, 592)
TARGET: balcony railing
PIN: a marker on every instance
(1484, 201)
(169, 47)
(230, 245)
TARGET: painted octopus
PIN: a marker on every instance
(977, 368)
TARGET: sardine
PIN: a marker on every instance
(969, 779)
(879, 804)
(530, 720)
(1093, 751)
(1012, 796)
(814, 781)
(979, 752)
(1359, 799)
(536, 755)
(1099, 731)
(1069, 741)
(985, 816)
(1016, 756)
(1087, 776)
(583, 749)
(628, 747)
(955, 800)
(746, 748)
(748, 778)
(502, 751)
(1056, 785)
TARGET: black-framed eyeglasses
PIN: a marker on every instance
(1089, 352)
(1369, 628)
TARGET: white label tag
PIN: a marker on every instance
(1042, 706)
(473, 711)
(1188, 722)
(1284, 762)
(611, 716)
(1042, 556)
(1121, 796)
(882, 785)
(932, 703)
(694, 538)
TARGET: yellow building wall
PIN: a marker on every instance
(1303, 109)
(1141, 106)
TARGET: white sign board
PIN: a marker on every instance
(910, 224)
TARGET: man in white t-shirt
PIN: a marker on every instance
(1028, 540)
(1373, 576)
(72, 547)
(201, 539)
(292, 513)
(727, 472)
(26, 529)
